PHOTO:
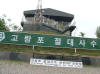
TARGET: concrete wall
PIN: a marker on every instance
(58, 57)
(15, 56)
(26, 57)
(91, 61)
(35, 27)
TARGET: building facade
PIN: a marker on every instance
(50, 20)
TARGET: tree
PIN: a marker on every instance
(98, 32)
(2, 24)
(7, 25)
(82, 34)
(15, 27)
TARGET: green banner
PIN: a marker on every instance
(48, 40)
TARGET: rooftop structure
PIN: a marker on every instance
(49, 20)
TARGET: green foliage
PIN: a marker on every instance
(2, 24)
(98, 32)
(48, 50)
(82, 34)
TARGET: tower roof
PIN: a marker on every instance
(52, 13)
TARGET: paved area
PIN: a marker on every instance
(10, 67)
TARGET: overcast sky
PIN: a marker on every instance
(86, 12)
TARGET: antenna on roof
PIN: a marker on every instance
(39, 4)
(38, 13)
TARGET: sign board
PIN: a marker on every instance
(56, 63)
(48, 40)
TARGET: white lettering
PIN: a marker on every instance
(2, 36)
(57, 41)
(70, 42)
(56, 63)
(40, 40)
(82, 42)
(14, 38)
(93, 43)
(27, 39)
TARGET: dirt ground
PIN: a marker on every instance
(13, 67)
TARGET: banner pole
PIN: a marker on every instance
(33, 48)
(75, 50)
(33, 51)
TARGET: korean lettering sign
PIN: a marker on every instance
(48, 40)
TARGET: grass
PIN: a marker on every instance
(41, 32)
(48, 50)
(84, 52)
(15, 48)
(91, 66)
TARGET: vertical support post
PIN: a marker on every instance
(75, 50)
(33, 52)
(33, 48)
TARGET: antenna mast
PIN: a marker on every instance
(38, 14)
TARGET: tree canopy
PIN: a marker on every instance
(98, 32)
(7, 25)
(82, 34)
(2, 24)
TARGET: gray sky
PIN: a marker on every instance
(87, 12)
